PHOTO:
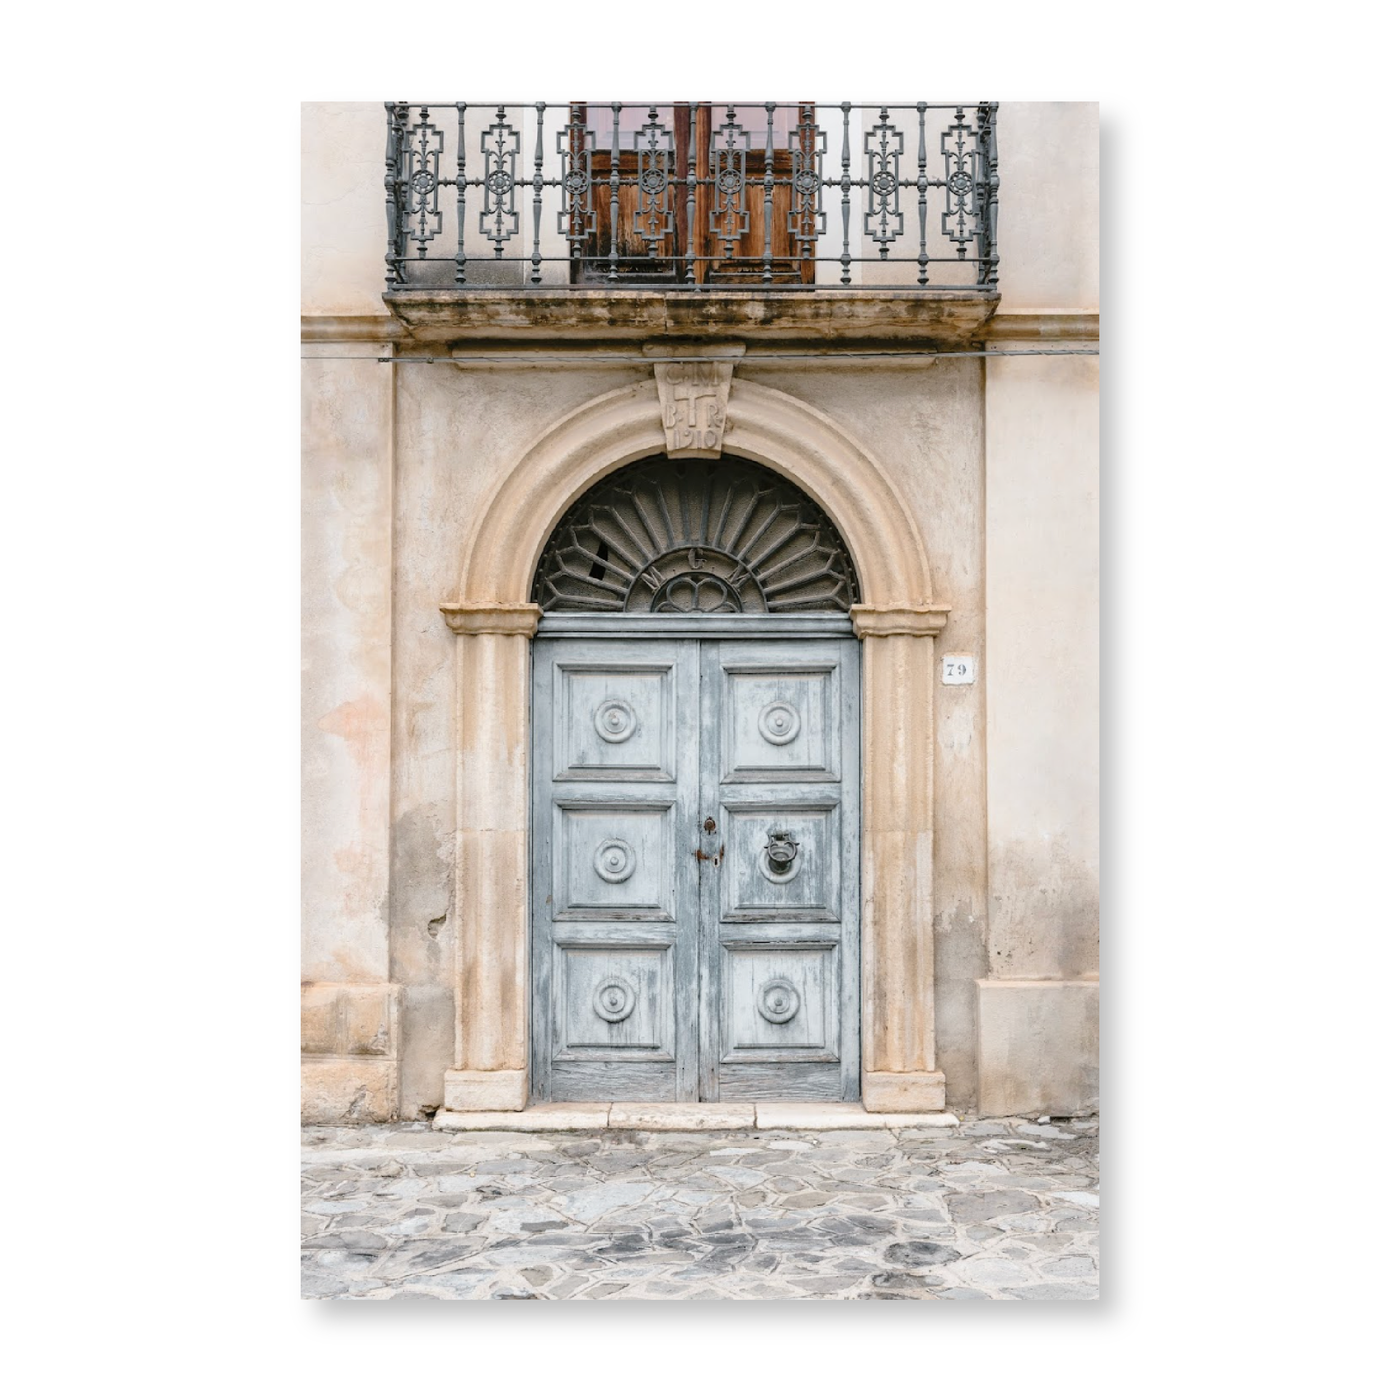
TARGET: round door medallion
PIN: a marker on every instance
(615, 860)
(778, 1001)
(614, 999)
(615, 720)
(779, 722)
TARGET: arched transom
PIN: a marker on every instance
(688, 536)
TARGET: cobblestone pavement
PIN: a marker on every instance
(1001, 1208)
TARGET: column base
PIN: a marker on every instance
(921, 1091)
(472, 1090)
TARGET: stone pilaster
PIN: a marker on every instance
(898, 1071)
(492, 878)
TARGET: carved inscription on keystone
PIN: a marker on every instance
(694, 402)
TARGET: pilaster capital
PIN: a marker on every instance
(469, 619)
(899, 620)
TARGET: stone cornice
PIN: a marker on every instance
(870, 621)
(820, 316)
(501, 619)
(1051, 324)
(320, 329)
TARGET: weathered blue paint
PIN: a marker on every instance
(695, 893)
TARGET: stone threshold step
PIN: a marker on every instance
(685, 1117)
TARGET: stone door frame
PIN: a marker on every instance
(493, 618)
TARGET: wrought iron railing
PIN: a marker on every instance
(698, 196)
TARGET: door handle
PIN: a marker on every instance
(781, 851)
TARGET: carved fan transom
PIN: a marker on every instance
(690, 536)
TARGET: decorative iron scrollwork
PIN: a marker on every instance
(682, 536)
(884, 144)
(499, 218)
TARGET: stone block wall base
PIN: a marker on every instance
(1037, 1048)
(349, 1089)
(475, 1090)
(921, 1091)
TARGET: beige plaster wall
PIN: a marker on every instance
(350, 1016)
(343, 229)
(459, 433)
(1048, 225)
(1042, 672)
(924, 427)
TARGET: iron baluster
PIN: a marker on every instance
(923, 199)
(614, 180)
(690, 200)
(393, 157)
(845, 194)
(987, 123)
(539, 191)
(768, 198)
(461, 277)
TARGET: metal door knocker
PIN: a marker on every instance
(780, 857)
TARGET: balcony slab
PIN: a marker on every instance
(812, 316)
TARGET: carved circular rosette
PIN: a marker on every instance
(615, 860)
(615, 720)
(778, 1001)
(499, 181)
(779, 722)
(730, 181)
(653, 181)
(883, 183)
(806, 181)
(614, 999)
(576, 182)
(960, 182)
(424, 181)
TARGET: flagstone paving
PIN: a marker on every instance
(993, 1209)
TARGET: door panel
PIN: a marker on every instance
(615, 860)
(615, 723)
(615, 893)
(674, 962)
(756, 886)
(781, 724)
(779, 946)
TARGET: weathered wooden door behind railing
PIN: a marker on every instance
(748, 229)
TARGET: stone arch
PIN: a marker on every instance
(765, 425)
(494, 619)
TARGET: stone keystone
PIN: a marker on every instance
(694, 398)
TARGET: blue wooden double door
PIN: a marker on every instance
(695, 864)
